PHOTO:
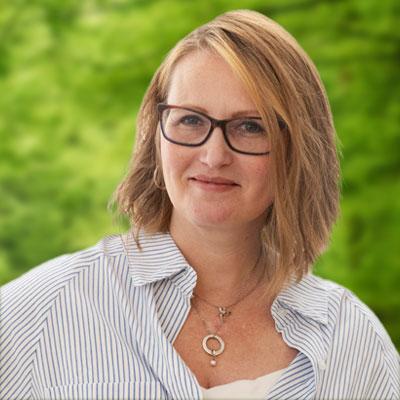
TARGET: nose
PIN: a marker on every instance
(215, 153)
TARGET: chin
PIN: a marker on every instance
(213, 218)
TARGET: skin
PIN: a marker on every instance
(223, 221)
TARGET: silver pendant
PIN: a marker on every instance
(212, 352)
(223, 312)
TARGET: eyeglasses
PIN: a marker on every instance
(186, 127)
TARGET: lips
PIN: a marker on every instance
(215, 180)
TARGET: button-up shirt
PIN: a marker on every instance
(101, 323)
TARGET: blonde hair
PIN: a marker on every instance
(284, 85)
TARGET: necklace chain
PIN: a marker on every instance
(223, 312)
(205, 323)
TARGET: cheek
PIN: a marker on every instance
(173, 163)
(168, 157)
(165, 156)
(263, 182)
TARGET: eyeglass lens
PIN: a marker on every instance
(187, 127)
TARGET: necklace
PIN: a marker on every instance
(223, 312)
(211, 335)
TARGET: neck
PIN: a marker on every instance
(224, 260)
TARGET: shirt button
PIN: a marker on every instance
(321, 364)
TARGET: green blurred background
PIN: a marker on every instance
(72, 75)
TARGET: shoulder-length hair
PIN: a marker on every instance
(289, 95)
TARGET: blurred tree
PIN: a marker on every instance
(72, 75)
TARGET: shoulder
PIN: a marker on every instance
(34, 291)
(28, 306)
(345, 309)
(344, 312)
(359, 350)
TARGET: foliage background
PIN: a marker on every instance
(72, 75)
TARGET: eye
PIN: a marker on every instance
(191, 120)
(250, 126)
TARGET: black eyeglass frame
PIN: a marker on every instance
(221, 123)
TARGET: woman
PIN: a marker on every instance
(232, 194)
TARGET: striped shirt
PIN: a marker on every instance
(100, 324)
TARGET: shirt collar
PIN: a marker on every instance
(300, 312)
(157, 258)
(160, 258)
(308, 297)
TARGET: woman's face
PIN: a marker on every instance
(211, 185)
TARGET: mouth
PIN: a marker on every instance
(213, 181)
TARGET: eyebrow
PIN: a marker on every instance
(236, 114)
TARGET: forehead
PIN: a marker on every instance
(204, 79)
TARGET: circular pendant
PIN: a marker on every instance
(213, 352)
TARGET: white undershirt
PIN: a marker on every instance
(253, 389)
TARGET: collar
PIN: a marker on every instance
(300, 312)
(160, 258)
(157, 258)
(308, 297)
